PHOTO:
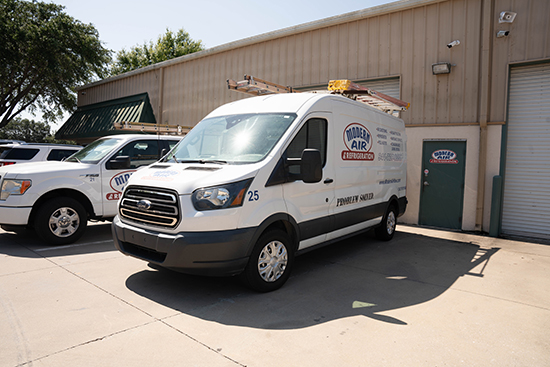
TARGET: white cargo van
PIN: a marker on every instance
(262, 179)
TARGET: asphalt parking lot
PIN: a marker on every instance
(427, 298)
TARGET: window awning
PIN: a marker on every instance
(96, 120)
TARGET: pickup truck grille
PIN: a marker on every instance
(150, 206)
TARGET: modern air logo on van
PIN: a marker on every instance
(358, 141)
(119, 180)
(444, 156)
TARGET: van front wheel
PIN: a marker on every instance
(270, 263)
(386, 229)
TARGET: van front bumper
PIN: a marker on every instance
(12, 215)
(213, 253)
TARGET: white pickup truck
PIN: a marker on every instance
(57, 198)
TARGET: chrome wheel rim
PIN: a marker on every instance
(64, 222)
(272, 261)
(390, 222)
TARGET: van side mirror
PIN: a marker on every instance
(120, 162)
(311, 166)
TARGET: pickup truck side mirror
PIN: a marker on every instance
(120, 162)
(311, 166)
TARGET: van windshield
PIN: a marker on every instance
(94, 152)
(234, 139)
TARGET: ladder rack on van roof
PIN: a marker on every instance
(258, 87)
(146, 127)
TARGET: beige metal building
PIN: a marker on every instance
(493, 106)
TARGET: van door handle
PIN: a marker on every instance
(328, 180)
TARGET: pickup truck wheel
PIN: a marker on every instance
(386, 229)
(270, 263)
(60, 221)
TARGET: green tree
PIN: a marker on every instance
(30, 131)
(44, 55)
(26, 130)
(167, 46)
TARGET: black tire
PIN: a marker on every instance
(60, 221)
(270, 263)
(386, 230)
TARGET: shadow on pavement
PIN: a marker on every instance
(26, 243)
(358, 276)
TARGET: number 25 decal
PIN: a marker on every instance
(253, 195)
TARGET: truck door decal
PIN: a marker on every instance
(119, 180)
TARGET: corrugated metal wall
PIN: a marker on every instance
(401, 43)
(123, 87)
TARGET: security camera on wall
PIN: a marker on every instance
(507, 17)
(453, 44)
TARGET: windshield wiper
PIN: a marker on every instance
(203, 161)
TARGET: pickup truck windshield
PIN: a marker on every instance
(94, 152)
(234, 139)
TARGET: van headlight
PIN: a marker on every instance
(221, 197)
(14, 187)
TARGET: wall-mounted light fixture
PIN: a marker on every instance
(441, 68)
(83, 93)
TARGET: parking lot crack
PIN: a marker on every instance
(154, 319)
(200, 343)
(29, 363)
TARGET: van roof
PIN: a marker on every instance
(291, 102)
(283, 103)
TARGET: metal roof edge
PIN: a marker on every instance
(139, 97)
(284, 32)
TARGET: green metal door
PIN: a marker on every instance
(442, 184)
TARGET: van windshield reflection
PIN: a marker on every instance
(233, 139)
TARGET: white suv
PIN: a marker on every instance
(32, 152)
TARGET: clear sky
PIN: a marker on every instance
(123, 24)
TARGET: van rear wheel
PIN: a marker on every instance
(386, 229)
(270, 263)
(60, 221)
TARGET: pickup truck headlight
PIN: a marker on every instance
(14, 187)
(220, 197)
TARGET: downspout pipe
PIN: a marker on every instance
(487, 24)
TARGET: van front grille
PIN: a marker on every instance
(150, 206)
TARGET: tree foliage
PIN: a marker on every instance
(30, 131)
(44, 55)
(167, 46)
(26, 130)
